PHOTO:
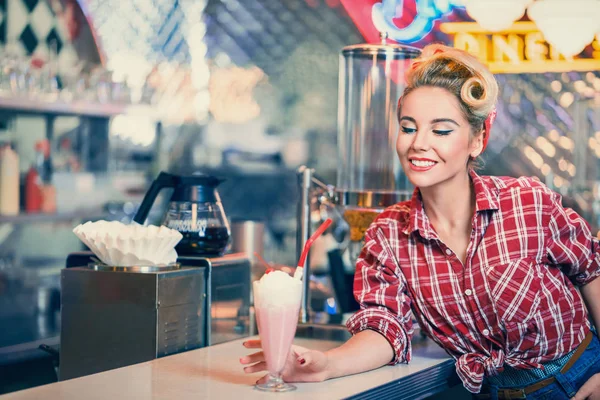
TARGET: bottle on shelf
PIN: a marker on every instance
(33, 182)
(40, 194)
(45, 171)
(9, 181)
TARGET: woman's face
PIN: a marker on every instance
(434, 142)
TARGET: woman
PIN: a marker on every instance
(488, 265)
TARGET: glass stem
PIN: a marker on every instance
(275, 379)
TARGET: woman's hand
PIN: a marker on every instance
(590, 390)
(302, 365)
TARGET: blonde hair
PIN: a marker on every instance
(460, 73)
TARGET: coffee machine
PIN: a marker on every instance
(115, 316)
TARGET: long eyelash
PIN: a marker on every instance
(408, 130)
(442, 133)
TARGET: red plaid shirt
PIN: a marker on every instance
(513, 302)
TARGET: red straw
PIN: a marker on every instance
(262, 260)
(268, 268)
(310, 241)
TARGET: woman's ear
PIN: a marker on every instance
(477, 144)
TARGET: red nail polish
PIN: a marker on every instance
(302, 361)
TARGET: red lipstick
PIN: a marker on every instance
(421, 168)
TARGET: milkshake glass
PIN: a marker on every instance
(277, 304)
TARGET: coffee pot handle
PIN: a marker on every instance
(163, 180)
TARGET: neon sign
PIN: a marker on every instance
(384, 14)
(518, 49)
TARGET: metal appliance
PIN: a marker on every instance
(118, 316)
(369, 176)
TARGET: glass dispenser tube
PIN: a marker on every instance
(370, 178)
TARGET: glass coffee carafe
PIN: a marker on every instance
(195, 210)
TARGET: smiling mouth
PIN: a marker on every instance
(422, 163)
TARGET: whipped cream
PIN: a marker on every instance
(277, 289)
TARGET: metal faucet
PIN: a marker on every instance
(305, 181)
(303, 234)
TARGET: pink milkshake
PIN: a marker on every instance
(277, 303)
(277, 327)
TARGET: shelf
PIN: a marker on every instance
(51, 218)
(37, 106)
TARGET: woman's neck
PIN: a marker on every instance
(451, 204)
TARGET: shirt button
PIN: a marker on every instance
(468, 292)
(448, 251)
(485, 332)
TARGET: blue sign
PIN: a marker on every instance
(428, 11)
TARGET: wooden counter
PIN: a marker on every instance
(215, 373)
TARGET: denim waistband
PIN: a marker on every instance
(513, 377)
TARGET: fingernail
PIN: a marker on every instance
(302, 361)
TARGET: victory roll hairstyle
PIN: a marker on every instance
(463, 75)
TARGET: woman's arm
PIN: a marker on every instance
(570, 244)
(381, 330)
(365, 351)
(591, 296)
(577, 251)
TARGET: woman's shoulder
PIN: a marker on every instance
(524, 186)
(395, 214)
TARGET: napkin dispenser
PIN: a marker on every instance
(113, 317)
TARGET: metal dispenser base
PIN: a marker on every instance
(114, 318)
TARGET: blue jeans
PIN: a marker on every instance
(567, 384)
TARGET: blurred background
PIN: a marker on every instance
(98, 96)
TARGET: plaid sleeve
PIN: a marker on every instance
(380, 290)
(570, 243)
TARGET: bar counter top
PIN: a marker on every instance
(215, 373)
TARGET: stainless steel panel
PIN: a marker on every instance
(187, 286)
(182, 312)
(114, 319)
(181, 328)
(99, 337)
(248, 237)
(230, 298)
(228, 295)
(92, 287)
